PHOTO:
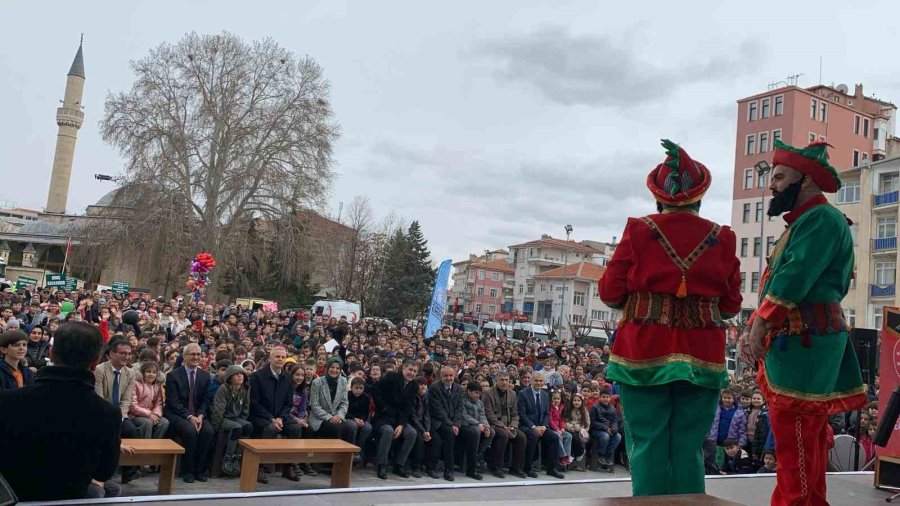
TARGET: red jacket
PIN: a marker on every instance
(556, 418)
(641, 265)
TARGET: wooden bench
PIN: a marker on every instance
(297, 451)
(154, 452)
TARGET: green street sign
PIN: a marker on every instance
(55, 280)
(23, 283)
(120, 286)
(71, 283)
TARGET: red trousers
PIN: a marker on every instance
(802, 455)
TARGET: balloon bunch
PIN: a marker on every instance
(270, 307)
(198, 278)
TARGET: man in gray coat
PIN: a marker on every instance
(503, 416)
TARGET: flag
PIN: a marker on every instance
(438, 299)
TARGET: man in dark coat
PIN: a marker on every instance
(444, 401)
(44, 459)
(394, 403)
(271, 400)
(186, 408)
(534, 421)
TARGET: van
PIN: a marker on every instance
(526, 330)
(336, 309)
(497, 329)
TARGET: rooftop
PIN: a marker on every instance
(581, 270)
(549, 242)
(77, 68)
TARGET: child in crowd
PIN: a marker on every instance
(146, 411)
(592, 395)
(866, 441)
(217, 378)
(358, 411)
(729, 423)
(736, 460)
(578, 422)
(757, 425)
(300, 407)
(769, 462)
(558, 425)
(746, 396)
(230, 413)
(605, 429)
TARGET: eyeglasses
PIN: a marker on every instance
(196, 354)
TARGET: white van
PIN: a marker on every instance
(336, 309)
(528, 329)
(497, 329)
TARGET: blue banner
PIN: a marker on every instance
(438, 299)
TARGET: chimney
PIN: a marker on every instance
(858, 92)
(545, 236)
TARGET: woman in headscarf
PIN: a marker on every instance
(328, 404)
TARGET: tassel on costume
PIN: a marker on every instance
(682, 288)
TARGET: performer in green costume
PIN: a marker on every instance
(798, 336)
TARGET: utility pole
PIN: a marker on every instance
(565, 290)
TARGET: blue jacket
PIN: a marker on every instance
(8, 382)
(737, 430)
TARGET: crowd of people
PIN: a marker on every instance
(449, 404)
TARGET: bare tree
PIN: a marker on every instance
(225, 142)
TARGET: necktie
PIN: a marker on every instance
(537, 403)
(191, 391)
(115, 392)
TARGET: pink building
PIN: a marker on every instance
(858, 127)
(482, 287)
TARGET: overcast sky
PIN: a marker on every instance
(489, 122)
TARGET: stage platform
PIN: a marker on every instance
(844, 489)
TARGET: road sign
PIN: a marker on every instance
(55, 280)
(120, 286)
(71, 283)
(24, 283)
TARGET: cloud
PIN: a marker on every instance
(596, 70)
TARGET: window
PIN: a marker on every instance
(849, 192)
(776, 136)
(885, 273)
(521, 289)
(578, 298)
(757, 246)
(761, 180)
(854, 233)
(495, 276)
(823, 111)
(751, 112)
(480, 291)
(478, 308)
(529, 287)
(889, 182)
(763, 142)
(770, 243)
(856, 121)
(493, 293)
(597, 314)
(813, 107)
(492, 309)
(865, 127)
(480, 274)
(850, 316)
(877, 315)
(764, 110)
(748, 179)
(779, 105)
(759, 212)
(751, 144)
(744, 242)
(543, 288)
(743, 281)
(531, 252)
(855, 157)
(886, 227)
(812, 137)
(746, 213)
(754, 281)
(876, 133)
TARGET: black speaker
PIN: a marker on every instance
(865, 343)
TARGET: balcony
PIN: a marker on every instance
(886, 199)
(884, 245)
(880, 291)
(547, 261)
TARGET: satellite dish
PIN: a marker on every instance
(843, 88)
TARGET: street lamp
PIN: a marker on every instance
(562, 313)
(762, 168)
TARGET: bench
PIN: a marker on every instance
(154, 452)
(297, 451)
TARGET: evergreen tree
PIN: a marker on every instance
(392, 298)
(421, 274)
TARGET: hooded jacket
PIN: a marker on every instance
(228, 404)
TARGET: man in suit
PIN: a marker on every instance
(186, 407)
(43, 462)
(534, 420)
(444, 400)
(394, 403)
(271, 399)
(114, 381)
(500, 406)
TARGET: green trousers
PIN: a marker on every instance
(665, 426)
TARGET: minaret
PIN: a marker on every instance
(69, 118)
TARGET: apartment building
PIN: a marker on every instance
(569, 295)
(860, 129)
(482, 286)
(870, 199)
(534, 258)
